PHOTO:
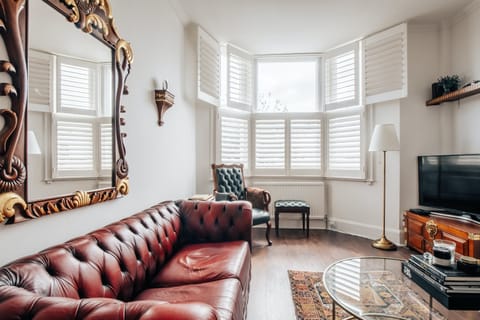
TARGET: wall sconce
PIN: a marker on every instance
(164, 100)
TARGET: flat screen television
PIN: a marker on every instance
(450, 182)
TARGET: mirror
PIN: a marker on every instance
(77, 69)
(69, 105)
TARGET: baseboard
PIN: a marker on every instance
(363, 230)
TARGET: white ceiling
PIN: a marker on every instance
(288, 26)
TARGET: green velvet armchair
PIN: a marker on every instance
(229, 184)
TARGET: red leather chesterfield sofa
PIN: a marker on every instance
(175, 260)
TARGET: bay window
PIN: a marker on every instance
(302, 114)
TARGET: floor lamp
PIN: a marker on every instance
(384, 139)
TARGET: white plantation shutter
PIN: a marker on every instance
(270, 144)
(344, 150)
(234, 139)
(208, 68)
(76, 86)
(305, 144)
(106, 152)
(239, 78)
(40, 79)
(74, 152)
(342, 77)
(386, 65)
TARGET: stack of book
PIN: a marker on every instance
(453, 288)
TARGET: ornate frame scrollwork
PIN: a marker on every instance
(93, 17)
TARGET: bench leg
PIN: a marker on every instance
(267, 233)
(276, 222)
(308, 222)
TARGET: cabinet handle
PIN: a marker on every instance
(431, 228)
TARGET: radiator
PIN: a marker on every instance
(314, 193)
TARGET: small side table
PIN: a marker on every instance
(292, 206)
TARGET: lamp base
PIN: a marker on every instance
(384, 244)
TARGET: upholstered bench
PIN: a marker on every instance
(292, 206)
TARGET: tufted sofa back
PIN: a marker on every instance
(89, 266)
(229, 179)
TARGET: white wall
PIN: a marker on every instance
(465, 44)
(424, 130)
(161, 159)
(356, 207)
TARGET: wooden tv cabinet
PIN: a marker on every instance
(420, 231)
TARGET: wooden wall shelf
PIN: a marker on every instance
(456, 95)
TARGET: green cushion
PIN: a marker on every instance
(259, 216)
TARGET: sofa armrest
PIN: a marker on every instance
(225, 196)
(211, 221)
(260, 198)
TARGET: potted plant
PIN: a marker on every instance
(449, 83)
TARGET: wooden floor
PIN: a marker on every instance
(270, 297)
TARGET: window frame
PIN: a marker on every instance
(356, 107)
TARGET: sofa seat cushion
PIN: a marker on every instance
(225, 296)
(204, 262)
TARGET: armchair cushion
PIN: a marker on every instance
(259, 216)
(230, 180)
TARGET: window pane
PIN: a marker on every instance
(287, 86)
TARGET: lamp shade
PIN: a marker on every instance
(32, 143)
(384, 138)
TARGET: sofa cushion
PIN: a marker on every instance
(225, 296)
(197, 263)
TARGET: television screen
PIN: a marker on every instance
(450, 182)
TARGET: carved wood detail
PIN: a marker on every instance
(93, 17)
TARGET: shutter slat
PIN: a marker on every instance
(75, 145)
(208, 72)
(386, 65)
(234, 140)
(344, 145)
(39, 77)
(239, 82)
(341, 78)
(305, 144)
(76, 86)
(270, 144)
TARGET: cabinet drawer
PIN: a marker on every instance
(415, 242)
(461, 244)
(414, 227)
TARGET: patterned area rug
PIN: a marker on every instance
(310, 298)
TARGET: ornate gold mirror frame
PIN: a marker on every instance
(93, 17)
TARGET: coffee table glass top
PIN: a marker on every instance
(375, 288)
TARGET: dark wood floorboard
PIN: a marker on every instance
(270, 297)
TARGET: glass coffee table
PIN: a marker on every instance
(373, 288)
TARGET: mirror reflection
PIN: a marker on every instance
(70, 105)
